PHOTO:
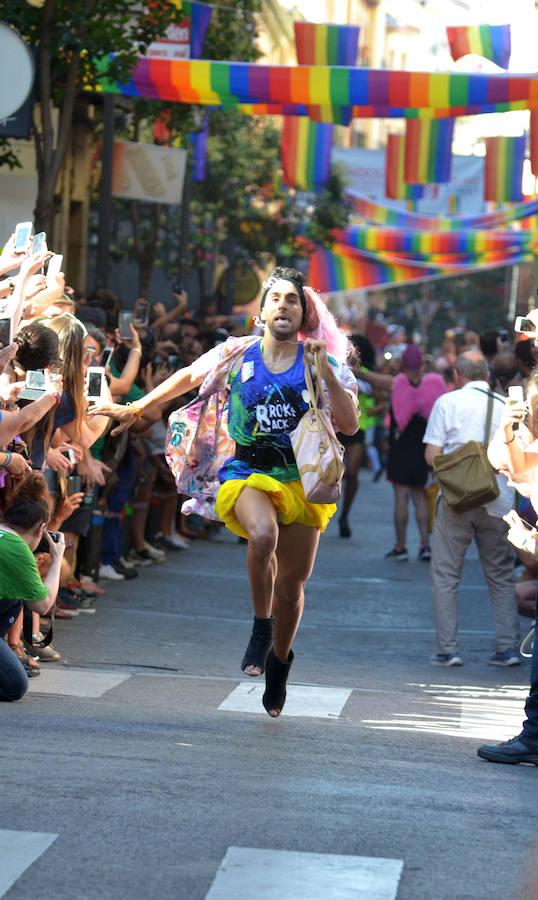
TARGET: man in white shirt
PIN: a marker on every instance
(458, 417)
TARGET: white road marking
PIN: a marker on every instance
(302, 700)
(18, 850)
(290, 875)
(75, 682)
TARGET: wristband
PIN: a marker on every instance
(511, 439)
(136, 409)
(8, 459)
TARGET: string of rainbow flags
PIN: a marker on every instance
(327, 88)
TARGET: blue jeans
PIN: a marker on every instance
(13, 678)
(112, 546)
(530, 725)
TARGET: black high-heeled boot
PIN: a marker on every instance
(276, 677)
(259, 645)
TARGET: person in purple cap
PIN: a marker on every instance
(412, 398)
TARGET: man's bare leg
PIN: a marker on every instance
(296, 554)
(257, 516)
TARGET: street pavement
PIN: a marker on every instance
(144, 765)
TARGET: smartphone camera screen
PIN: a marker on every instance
(5, 332)
(35, 380)
(125, 319)
(94, 385)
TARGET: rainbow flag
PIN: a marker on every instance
(491, 41)
(326, 45)
(428, 150)
(534, 142)
(504, 168)
(425, 245)
(371, 93)
(396, 188)
(343, 269)
(306, 153)
(200, 16)
(381, 214)
(453, 204)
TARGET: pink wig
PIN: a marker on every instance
(320, 325)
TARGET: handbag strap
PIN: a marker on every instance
(489, 417)
(314, 391)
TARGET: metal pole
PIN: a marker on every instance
(105, 194)
(514, 287)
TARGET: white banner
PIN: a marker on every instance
(148, 172)
(364, 172)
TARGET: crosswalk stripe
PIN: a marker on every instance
(76, 682)
(291, 875)
(302, 700)
(18, 850)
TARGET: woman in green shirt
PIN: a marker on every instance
(21, 528)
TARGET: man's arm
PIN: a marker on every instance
(432, 450)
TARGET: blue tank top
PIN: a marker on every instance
(265, 406)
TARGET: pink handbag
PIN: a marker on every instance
(318, 452)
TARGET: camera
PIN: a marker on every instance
(43, 546)
(34, 385)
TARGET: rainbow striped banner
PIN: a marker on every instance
(424, 245)
(396, 188)
(503, 171)
(372, 93)
(428, 150)
(326, 45)
(380, 214)
(491, 41)
(343, 269)
(534, 143)
(306, 153)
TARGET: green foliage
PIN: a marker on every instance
(94, 29)
(8, 157)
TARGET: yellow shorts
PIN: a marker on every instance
(288, 498)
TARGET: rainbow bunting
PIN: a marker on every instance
(371, 93)
(396, 187)
(423, 245)
(534, 143)
(504, 168)
(380, 214)
(326, 45)
(428, 150)
(490, 41)
(306, 153)
(343, 269)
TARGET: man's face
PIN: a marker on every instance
(282, 310)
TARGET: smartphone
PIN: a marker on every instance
(141, 316)
(35, 379)
(95, 379)
(516, 394)
(173, 361)
(177, 287)
(524, 325)
(124, 320)
(39, 242)
(23, 234)
(70, 455)
(6, 328)
(55, 264)
(105, 357)
(74, 484)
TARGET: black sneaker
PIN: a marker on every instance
(398, 553)
(127, 572)
(514, 751)
(425, 553)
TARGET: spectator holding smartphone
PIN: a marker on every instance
(21, 528)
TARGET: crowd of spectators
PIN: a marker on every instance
(75, 500)
(81, 507)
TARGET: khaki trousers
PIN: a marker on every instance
(451, 536)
